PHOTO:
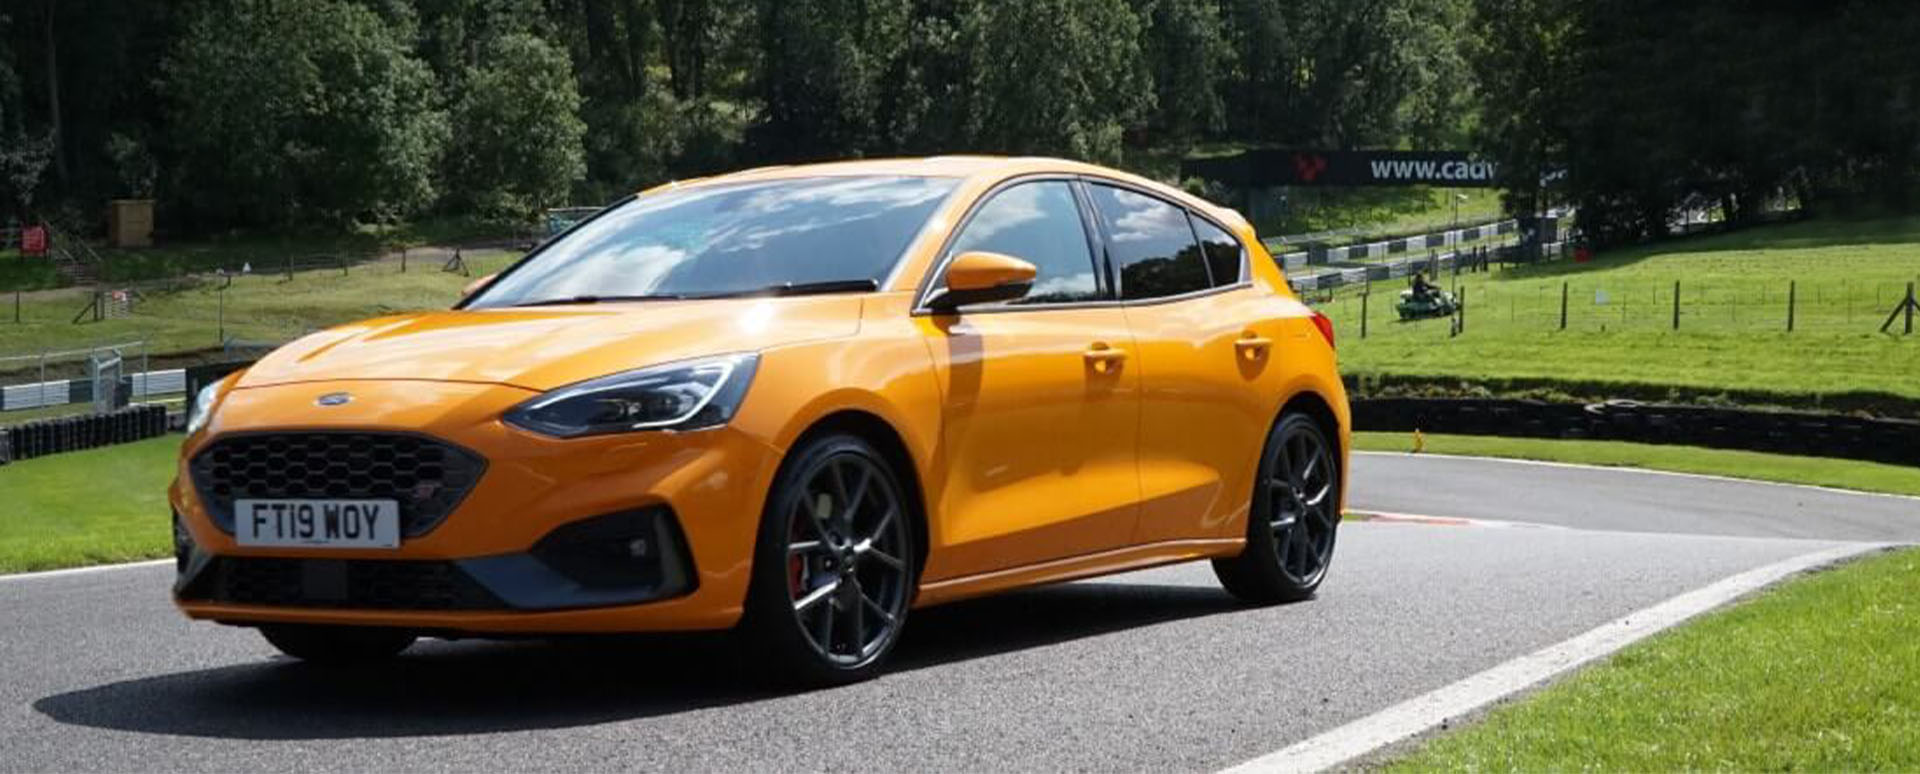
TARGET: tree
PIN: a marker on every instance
(454, 34)
(1521, 63)
(1063, 77)
(516, 130)
(820, 74)
(1188, 55)
(300, 109)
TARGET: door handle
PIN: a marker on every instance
(1252, 345)
(1104, 358)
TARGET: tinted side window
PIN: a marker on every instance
(1224, 254)
(1038, 223)
(1150, 243)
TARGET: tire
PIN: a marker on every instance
(337, 645)
(835, 566)
(1294, 519)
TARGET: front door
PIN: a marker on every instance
(1042, 399)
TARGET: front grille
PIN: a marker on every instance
(428, 478)
(341, 583)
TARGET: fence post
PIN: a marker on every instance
(1676, 305)
(1563, 306)
(289, 267)
(1364, 295)
(403, 260)
(222, 315)
(1463, 310)
(1792, 297)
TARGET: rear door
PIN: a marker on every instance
(1041, 397)
(1205, 339)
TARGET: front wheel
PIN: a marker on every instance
(1295, 515)
(834, 567)
(337, 645)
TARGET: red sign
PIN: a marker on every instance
(33, 240)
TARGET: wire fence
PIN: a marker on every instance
(1824, 306)
(272, 300)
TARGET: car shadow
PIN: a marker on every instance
(479, 687)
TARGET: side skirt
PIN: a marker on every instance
(1076, 567)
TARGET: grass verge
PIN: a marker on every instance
(262, 307)
(1818, 471)
(90, 507)
(1819, 675)
(1839, 278)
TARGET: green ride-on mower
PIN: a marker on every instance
(1424, 300)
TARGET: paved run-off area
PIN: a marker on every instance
(1151, 670)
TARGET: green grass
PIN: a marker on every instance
(1818, 471)
(1822, 674)
(260, 307)
(90, 507)
(21, 273)
(1381, 211)
(1734, 291)
(264, 251)
(267, 252)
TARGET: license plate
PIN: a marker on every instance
(317, 523)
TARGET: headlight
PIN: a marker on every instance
(202, 408)
(687, 395)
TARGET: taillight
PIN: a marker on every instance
(1325, 325)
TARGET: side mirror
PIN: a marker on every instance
(981, 277)
(477, 285)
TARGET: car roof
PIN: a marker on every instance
(964, 166)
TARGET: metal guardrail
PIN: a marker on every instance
(1384, 270)
(1319, 236)
(61, 392)
(1407, 244)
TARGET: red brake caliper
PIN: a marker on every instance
(796, 569)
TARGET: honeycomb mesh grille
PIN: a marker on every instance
(427, 478)
(348, 584)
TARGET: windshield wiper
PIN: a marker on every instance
(800, 289)
(600, 299)
(782, 289)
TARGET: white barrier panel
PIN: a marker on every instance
(59, 392)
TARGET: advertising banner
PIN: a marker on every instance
(1288, 167)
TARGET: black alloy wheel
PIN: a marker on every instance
(835, 569)
(1294, 519)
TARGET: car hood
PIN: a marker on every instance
(541, 348)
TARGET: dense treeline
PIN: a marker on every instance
(244, 113)
(271, 112)
(1638, 110)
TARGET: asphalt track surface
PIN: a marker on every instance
(1151, 670)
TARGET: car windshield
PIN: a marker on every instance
(818, 234)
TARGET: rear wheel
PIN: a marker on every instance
(1295, 515)
(337, 645)
(834, 569)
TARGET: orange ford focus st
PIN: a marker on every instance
(800, 401)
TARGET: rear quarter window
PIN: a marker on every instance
(1226, 257)
(1151, 244)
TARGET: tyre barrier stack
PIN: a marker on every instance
(42, 437)
(1892, 441)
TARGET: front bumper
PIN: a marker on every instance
(535, 547)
